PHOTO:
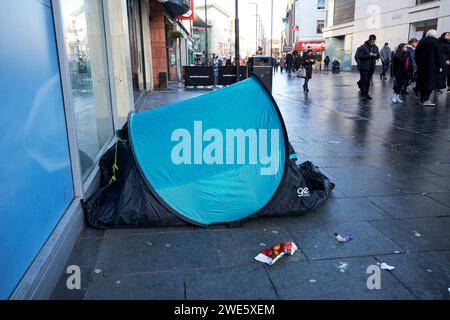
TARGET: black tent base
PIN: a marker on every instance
(123, 199)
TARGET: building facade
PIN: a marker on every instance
(72, 71)
(310, 16)
(350, 22)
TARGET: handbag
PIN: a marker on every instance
(301, 73)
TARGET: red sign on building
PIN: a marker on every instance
(190, 15)
(313, 45)
(294, 28)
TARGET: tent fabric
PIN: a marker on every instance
(221, 157)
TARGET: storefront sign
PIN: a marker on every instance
(198, 76)
(227, 75)
(190, 14)
(313, 45)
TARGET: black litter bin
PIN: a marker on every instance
(262, 66)
(163, 81)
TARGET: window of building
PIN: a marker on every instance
(320, 26)
(321, 4)
(418, 29)
(85, 42)
(424, 1)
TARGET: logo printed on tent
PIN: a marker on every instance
(227, 148)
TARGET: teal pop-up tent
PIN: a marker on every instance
(218, 158)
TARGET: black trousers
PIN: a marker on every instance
(385, 68)
(364, 81)
(399, 84)
(424, 94)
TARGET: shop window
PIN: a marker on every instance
(84, 35)
(418, 29)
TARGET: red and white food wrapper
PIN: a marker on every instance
(272, 254)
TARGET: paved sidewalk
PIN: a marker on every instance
(391, 166)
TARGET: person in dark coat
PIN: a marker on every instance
(326, 61)
(366, 57)
(430, 64)
(297, 61)
(402, 68)
(289, 63)
(307, 62)
(444, 80)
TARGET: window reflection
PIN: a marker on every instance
(86, 49)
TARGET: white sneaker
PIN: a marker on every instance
(428, 103)
(399, 99)
(394, 98)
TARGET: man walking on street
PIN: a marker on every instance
(385, 56)
(366, 57)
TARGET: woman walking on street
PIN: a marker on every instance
(307, 63)
(430, 63)
(402, 67)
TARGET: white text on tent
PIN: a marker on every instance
(231, 150)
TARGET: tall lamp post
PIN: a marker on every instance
(271, 30)
(236, 40)
(256, 25)
(206, 31)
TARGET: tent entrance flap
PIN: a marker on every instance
(216, 158)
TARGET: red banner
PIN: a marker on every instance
(190, 15)
(313, 45)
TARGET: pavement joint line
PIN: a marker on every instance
(271, 282)
(401, 282)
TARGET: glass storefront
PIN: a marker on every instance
(84, 34)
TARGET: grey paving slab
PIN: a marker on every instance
(337, 279)
(414, 185)
(62, 292)
(411, 206)
(419, 234)
(443, 198)
(240, 247)
(442, 169)
(89, 233)
(157, 252)
(444, 182)
(426, 274)
(343, 210)
(148, 286)
(355, 187)
(236, 283)
(85, 252)
(318, 241)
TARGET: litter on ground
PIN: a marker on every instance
(273, 254)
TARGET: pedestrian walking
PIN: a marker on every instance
(307, 62)
(326, 62)
(297, 61)
(412, 44)
(282, 63)
(366, 57)
(275, 65)
(430, 64)
(402, 67)
(444, 80)
(289, 63)
(385, 56)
